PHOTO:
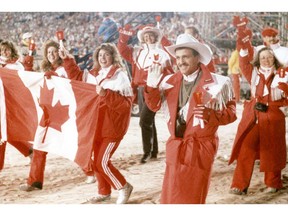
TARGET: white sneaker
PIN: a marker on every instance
(271, 190)
(28, 188)
(99, 198)
(124, 194)
(90, 179)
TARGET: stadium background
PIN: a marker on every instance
(82, 36)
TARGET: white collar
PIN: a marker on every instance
(191, 77)
(105, 71)
(266, 71)
(275, 46)
(150, 46)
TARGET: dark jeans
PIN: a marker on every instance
(148, 129)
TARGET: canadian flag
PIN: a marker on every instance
(57, 115)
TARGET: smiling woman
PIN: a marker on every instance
(261, 131)
(114, 94)
(9, 59)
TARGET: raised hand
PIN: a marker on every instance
(240, 23)
(284, 87)
(125, 33)
(282, 71)
(244, 38)
(28, 62)
(64, 53)
(244, 34)
(154, 75)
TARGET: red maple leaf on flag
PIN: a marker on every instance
(54, 116)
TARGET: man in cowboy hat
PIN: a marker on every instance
(197, 102)
(141, 58)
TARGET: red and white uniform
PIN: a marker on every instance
(38, 163)
(141, 58)
(189, 159)
(260, 135)
(23, 147)
(112, 120)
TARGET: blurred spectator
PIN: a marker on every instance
(235, 72)
(193, 31)
(108, 30)
(26, 58)
(24, 45)
(271, 39)
(43, 25)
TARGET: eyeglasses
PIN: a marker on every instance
(267, 58)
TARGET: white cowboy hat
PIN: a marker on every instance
(146, 29)
(188, 41)
(27, 35)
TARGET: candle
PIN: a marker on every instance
(282, 73)
(31, 47)
(60, 36)
(198, 97)
(158, 18)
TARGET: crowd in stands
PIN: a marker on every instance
(80, 28)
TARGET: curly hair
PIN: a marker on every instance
(256, 62)
(45, 64)
(10, 45)
(111, 48)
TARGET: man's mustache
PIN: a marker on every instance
(184, 64)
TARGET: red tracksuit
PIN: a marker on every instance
(112, 121)
(260, 135)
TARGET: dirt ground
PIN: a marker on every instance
(65, 182)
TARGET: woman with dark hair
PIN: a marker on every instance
(51, 61)
(9, 56)
(51, 64)
(114, 101)
(261, 131)
(9, 59)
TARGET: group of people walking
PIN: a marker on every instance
(177, 78)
